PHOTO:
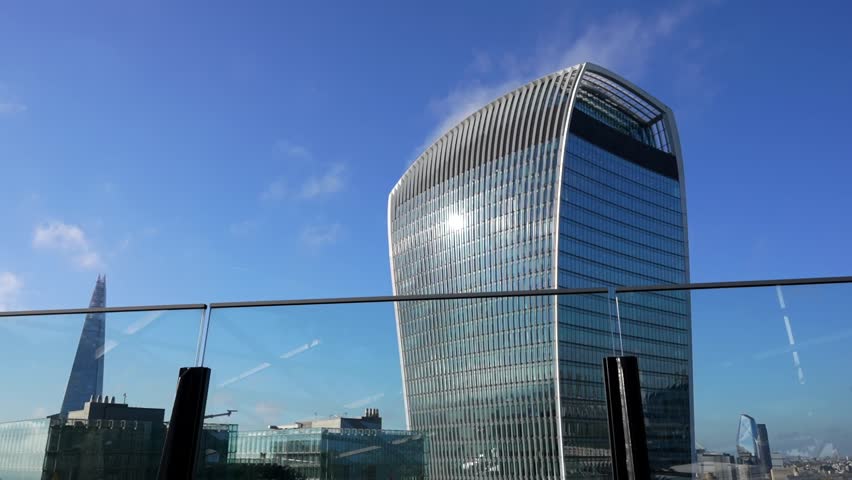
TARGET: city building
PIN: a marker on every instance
(93, 436)
(573, 180)
(87, 372)
(777, 459)
(747, 450)
(330, 449)
(105, 439)
(764, 454)
(22, 445)
(718, 466)
(371, 420)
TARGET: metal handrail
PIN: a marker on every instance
(442, 296)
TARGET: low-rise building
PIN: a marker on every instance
(330, 448)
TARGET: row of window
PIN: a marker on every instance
(591, 171)
(441, 379)
(579, 200)
(586, 150)
(578, 183)
(607, 226)
(576, 248)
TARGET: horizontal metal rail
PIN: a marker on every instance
(72, 311)
(444, 296)
(541, 292)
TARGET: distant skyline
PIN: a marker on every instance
(210, 152)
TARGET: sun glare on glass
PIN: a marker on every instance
(455, 222)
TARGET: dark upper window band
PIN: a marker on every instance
(617, 143)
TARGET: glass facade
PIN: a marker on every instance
(621, 224)
(22, 447)
(326, 453)
(87, 374)
(513, 199)
(747, 440)
(479, 375)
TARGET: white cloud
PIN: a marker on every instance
(301, 349)
(293, 150)
(624, 43)
(59, 235)
(331, 181)
(10, 290)
(89, 261)
(11, 108)
(69, 239)
(461, 102)
(275, 191)
(316, 236)
(261, 367)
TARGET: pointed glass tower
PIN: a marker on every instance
(87, 373)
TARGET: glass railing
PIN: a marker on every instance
(89, 395)
(738, 382)
(778, 355)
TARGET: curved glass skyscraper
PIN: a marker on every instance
(573, 180)
(747, 448)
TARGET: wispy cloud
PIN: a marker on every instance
(275, 191)
(316, 236)
(301, 349)
(246, 374)
(10, 290)
(12, 108)
(59, 235)
(363, 402)
(89, 261)
(331, 181)
(69, 239)
(293, 150)
(624, 42)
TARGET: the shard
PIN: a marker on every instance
(87, 373)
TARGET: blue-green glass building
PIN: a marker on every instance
(573, 180)
(337, 453)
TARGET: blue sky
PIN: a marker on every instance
(213, 151)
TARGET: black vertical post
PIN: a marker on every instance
(180, 451)
(627, 440)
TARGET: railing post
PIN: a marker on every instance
(627, 440)
(180, 451)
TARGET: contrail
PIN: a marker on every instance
(787, 324)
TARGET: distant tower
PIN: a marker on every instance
(764, 452)
(747, 448)
(87, 373)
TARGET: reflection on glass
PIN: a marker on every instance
(770, 388)
(316, 390)
(88, 396)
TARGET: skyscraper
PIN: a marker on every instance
(87, 372)
(747, 450)
(764, 452)
(573, 180)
